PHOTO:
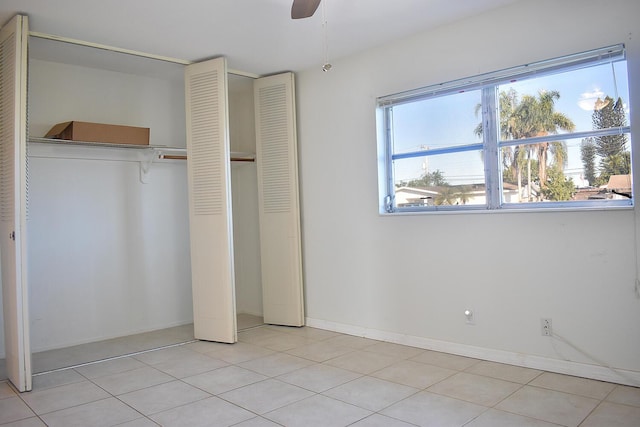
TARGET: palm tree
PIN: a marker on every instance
(464, 194)
(446, 195)
(513, 157)
(529, 117)
(549, 122)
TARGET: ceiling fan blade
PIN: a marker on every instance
(304, 8)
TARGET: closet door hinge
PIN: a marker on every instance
(12, 236)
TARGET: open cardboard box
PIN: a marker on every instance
(98, 132)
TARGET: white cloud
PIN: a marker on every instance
(588, 100)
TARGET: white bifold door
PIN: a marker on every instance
(211, 228)
(210, 220)
(13, 200)
(278, 201)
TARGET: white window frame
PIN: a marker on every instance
(491, 144)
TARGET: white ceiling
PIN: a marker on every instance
(256, 36)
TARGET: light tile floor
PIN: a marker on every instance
(310, 377)
(50, 360)
(85, 353)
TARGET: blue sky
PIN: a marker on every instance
(450, 121)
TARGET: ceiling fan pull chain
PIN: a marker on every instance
(327, 65)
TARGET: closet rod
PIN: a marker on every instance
(129, 52)
(178, 157)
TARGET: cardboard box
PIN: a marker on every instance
(98, 132)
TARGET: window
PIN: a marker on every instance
(553, 134)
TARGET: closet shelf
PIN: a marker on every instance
(163, 151)
(105, 145)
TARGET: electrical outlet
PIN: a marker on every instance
(545, 327)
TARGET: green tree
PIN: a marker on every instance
(558, 187)
(464, 194)
(536, 116)
(446, 196)
(527, 117)
(429, 179)
(615, 159)
(588, 156)
(617, 164)
(507, 102)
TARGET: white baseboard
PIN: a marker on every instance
(596, 372)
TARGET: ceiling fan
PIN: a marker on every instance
(304, 8)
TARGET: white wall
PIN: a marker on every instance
(63, 92)
(410, 278)
(108, 255)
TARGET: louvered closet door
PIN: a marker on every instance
(13, 188)
(210, 218)
(277, 164)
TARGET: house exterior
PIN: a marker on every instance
(475, 195)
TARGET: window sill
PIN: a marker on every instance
(508, 210)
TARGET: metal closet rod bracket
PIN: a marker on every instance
(145, 165)
(148, 156)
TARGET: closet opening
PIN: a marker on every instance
(108, 240)
(244, 195)
(108, 251)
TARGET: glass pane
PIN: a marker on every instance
(573, 101)
(573, 170)
(433, 123)
(446, 179)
